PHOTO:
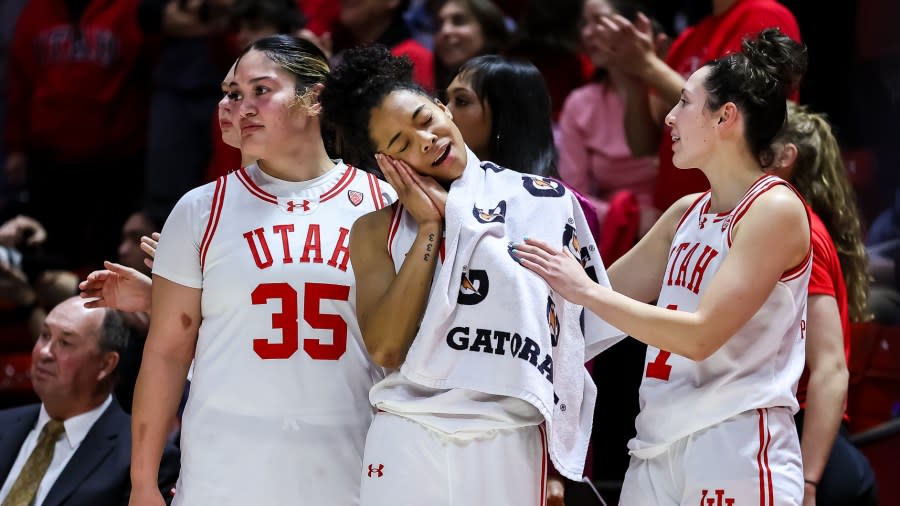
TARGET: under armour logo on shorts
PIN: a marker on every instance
(378, 471)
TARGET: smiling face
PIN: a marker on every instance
(471, 115)
(228, 113)
(271, 118)
(409, 126)
(459, 36)
(693, 124)
(593, 13)
(66, 361)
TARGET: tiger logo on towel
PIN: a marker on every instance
(495, 215)
(543, 186)
(552, 320)
(473, 288)
(491, 166)
(570, 240)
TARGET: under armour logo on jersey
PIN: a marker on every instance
(702, 221)
(377, 471)
(355, 197)
(291, 205)
(718, 500)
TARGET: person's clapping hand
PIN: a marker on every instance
(22, 231)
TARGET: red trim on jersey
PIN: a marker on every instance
(766, 460)
(344, 182)
(801, 267)
(215, 212)
(375, 190)
(690, 209)
(396, 213)
(543, 476)
(762, 476)
(762, 459)
(749, 198)
(381, 202)
(797, 271)
(254, 190)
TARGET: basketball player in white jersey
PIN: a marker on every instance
(457, 424)
(252, 281)
(729, 271)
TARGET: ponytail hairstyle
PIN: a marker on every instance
(758, 80)
(820, 176)
(357, 86)
(298, 57)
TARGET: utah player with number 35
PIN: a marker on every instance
(252, 280)
(729, 269)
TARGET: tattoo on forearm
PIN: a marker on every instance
(429, 247)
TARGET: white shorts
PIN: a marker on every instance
(750, 459)
(407, 463)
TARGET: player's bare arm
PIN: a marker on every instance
(390, 304)
(827, 387)
(772, 238)
(639, 272)
(167, 357)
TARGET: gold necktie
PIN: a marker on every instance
(25, 487)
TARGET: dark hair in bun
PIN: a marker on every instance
(364, 78)
(758, 81)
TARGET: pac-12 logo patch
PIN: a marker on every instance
(543, 186)
(355, 197)
(497, 214)
(552, 321)
(473, 288)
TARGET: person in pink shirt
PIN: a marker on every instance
(594, 157)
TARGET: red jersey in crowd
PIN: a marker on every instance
(78, 87)
(711, 38)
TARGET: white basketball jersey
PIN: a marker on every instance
(278, 408)
(758, 367)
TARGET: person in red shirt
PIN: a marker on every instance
(809, 157)
(78, 89)
(364, 22)
(656, 83)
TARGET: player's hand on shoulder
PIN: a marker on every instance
(422, 196)
(117, 287)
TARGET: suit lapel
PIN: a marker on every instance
(15, 430)
(100, 440)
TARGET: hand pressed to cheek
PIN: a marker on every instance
(414, 190)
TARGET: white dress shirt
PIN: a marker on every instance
(77, 428)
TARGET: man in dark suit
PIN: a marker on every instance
(74, 448)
